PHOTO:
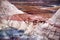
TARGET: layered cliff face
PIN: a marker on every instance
(7, 9)
(22, 21)
(33, 25)
(49, 30)
(42, 31)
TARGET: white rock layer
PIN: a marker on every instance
(8, 8)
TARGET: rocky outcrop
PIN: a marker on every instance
(49, 30)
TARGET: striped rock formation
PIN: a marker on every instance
(6, 10)
(49, 30)
(18, 21)
(22, 21)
